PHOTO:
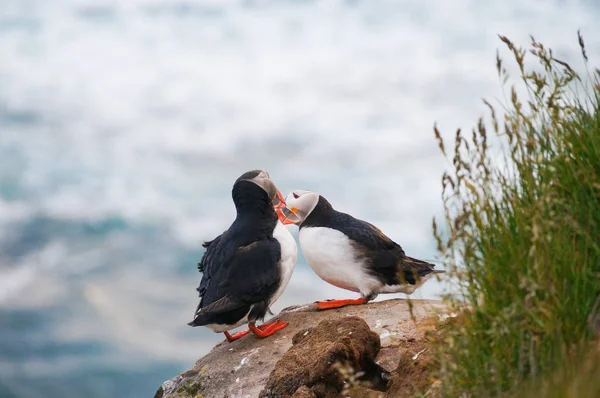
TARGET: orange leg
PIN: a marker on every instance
(326, 305)
(263, 327)
(235, 336)
(266, 330)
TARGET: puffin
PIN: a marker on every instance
(349, 253)
(247, 267)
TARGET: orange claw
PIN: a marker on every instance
(266, 330)
(326, 305)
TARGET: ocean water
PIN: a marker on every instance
(123, 125)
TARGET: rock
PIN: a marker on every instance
(242, 368)
(412, 374)
(304, 392)
(317, 352)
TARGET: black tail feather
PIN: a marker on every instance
(415, 269)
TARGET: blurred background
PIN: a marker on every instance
(123, 125)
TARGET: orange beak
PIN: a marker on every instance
(287, 216)
(278, 200)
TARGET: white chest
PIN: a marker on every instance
(332, 256)
(289, 255)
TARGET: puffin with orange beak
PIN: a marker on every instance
(350, 253)
(245, 269)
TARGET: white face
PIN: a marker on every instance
(300, 204)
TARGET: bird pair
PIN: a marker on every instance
(246, 268)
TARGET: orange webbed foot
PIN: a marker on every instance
(329, 304)
(235, 336)
(267, 329)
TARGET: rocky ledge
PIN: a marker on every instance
(380, 349)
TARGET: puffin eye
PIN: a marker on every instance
(296, 196)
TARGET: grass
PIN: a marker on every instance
(579, 378)
(522, 235)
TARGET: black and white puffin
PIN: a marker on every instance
(245, 269)
(350, 253)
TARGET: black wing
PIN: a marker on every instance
(208, 253)
(210, 259)
(369, 236)
(253, 273)
(247, 275)
(386, 257)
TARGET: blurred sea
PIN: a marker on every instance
(123, 125)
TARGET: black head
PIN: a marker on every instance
(249, 175)
(254, 189)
